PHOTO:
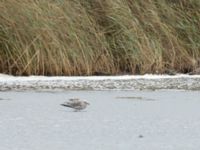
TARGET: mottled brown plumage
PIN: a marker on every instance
(76, 104)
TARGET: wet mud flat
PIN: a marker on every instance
(115, 120)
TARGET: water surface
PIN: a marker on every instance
(115, 120)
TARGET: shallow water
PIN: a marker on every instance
(115, 120)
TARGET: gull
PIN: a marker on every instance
(76, 104)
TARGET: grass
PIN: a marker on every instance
(73, 37)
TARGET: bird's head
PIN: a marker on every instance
(73, 99)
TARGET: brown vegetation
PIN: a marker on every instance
(74, 37)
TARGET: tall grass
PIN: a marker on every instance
(74, 37)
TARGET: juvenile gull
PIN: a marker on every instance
(76, 104)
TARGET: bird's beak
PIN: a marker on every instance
(87, 103)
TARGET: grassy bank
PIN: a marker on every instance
(74, 37)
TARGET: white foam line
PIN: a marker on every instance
(7, 78)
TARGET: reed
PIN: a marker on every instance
(73, 37)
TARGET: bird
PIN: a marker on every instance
(76, 104)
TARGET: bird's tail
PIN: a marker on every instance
(66, 105)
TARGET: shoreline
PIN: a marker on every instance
(125, 82)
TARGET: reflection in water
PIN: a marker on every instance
(135, 98)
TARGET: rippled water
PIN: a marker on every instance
(115, 120)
